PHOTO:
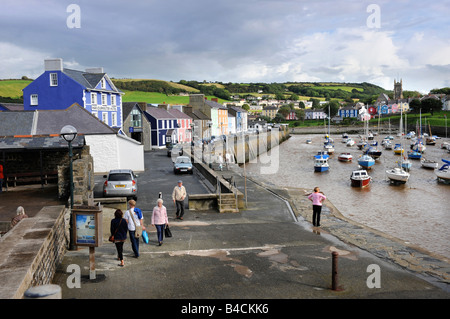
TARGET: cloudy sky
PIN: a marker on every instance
(373, 41)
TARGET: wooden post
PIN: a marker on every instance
(92, 263)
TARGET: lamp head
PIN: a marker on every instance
(68, 133)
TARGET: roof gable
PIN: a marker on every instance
(51, 122)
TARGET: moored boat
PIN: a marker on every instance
(426, 163)
(345, 157)
(414, 155)
(360, 178)
(321, 164)
(350, 142)
(366, 161)
(398, 149)
(397, 175)
(443, 173)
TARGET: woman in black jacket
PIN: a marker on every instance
(119, 228)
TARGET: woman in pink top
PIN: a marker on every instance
(317, 197)
(159, 219)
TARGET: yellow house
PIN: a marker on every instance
(270, 111)
(223, 120)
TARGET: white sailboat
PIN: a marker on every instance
(398, 175)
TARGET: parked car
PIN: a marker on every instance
(176, 149)
(182, 164)
(120, 183)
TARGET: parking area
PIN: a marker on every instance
(159, 177)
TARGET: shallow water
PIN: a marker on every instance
(417, 212)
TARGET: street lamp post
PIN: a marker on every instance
(69, 133)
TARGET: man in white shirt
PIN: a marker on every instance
(178, 196)
(138, 220)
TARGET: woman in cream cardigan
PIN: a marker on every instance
(159, 219)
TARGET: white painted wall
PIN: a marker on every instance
(112, 151)
(131, 153)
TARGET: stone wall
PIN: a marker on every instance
(83, 178)
(31, 251)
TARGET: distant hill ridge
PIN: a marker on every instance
(160, 91)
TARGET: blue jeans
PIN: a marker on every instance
(160, 232)
(134, 243)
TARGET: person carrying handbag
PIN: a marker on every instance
(118, 233)
(159, 219)
(135, 222)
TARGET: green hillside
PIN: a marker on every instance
(159, 91)
(11, 90)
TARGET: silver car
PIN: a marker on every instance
(120, 183)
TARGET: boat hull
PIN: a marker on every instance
(360, 182)
(345, 157)
(397, 175)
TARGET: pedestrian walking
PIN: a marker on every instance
(317, 197)
(159, 219)
(134, 218)
(178, 196)
(119, 229)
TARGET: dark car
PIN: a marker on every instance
(182, 164)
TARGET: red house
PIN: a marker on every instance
(184, 121)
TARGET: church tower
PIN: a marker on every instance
(398, 90)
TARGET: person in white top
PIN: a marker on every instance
(139, 220)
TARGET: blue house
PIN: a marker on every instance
(58, 88)
(164, 126)
(348, 111)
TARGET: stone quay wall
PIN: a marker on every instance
(31, 251)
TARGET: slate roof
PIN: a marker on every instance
(16, 122)
(159, 114)
(51, 122)
(38, 142)
(198, 115)
(12, 106)
(88, 80)
(214, 104)
(178, 114)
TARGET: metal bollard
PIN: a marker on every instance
(334, 272)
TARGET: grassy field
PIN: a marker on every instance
(437, 119)
(13, 88)
(158, 98)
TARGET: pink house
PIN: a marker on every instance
(184, 134)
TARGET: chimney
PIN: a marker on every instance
(53, 64)
(95, 70)
(214, 99)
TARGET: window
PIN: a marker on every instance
(113, 119)
(113, 99)
(104, 101)
(105, 117)
(34, 99)
(103, 83)
(94, 98)
(53, 79)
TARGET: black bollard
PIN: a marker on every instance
(334, 271)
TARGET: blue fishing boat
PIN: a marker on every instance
(414, 155)
(366, 161)
(321, 164)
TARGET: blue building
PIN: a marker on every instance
(164, 126)
(58, 88)
(350, 112)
